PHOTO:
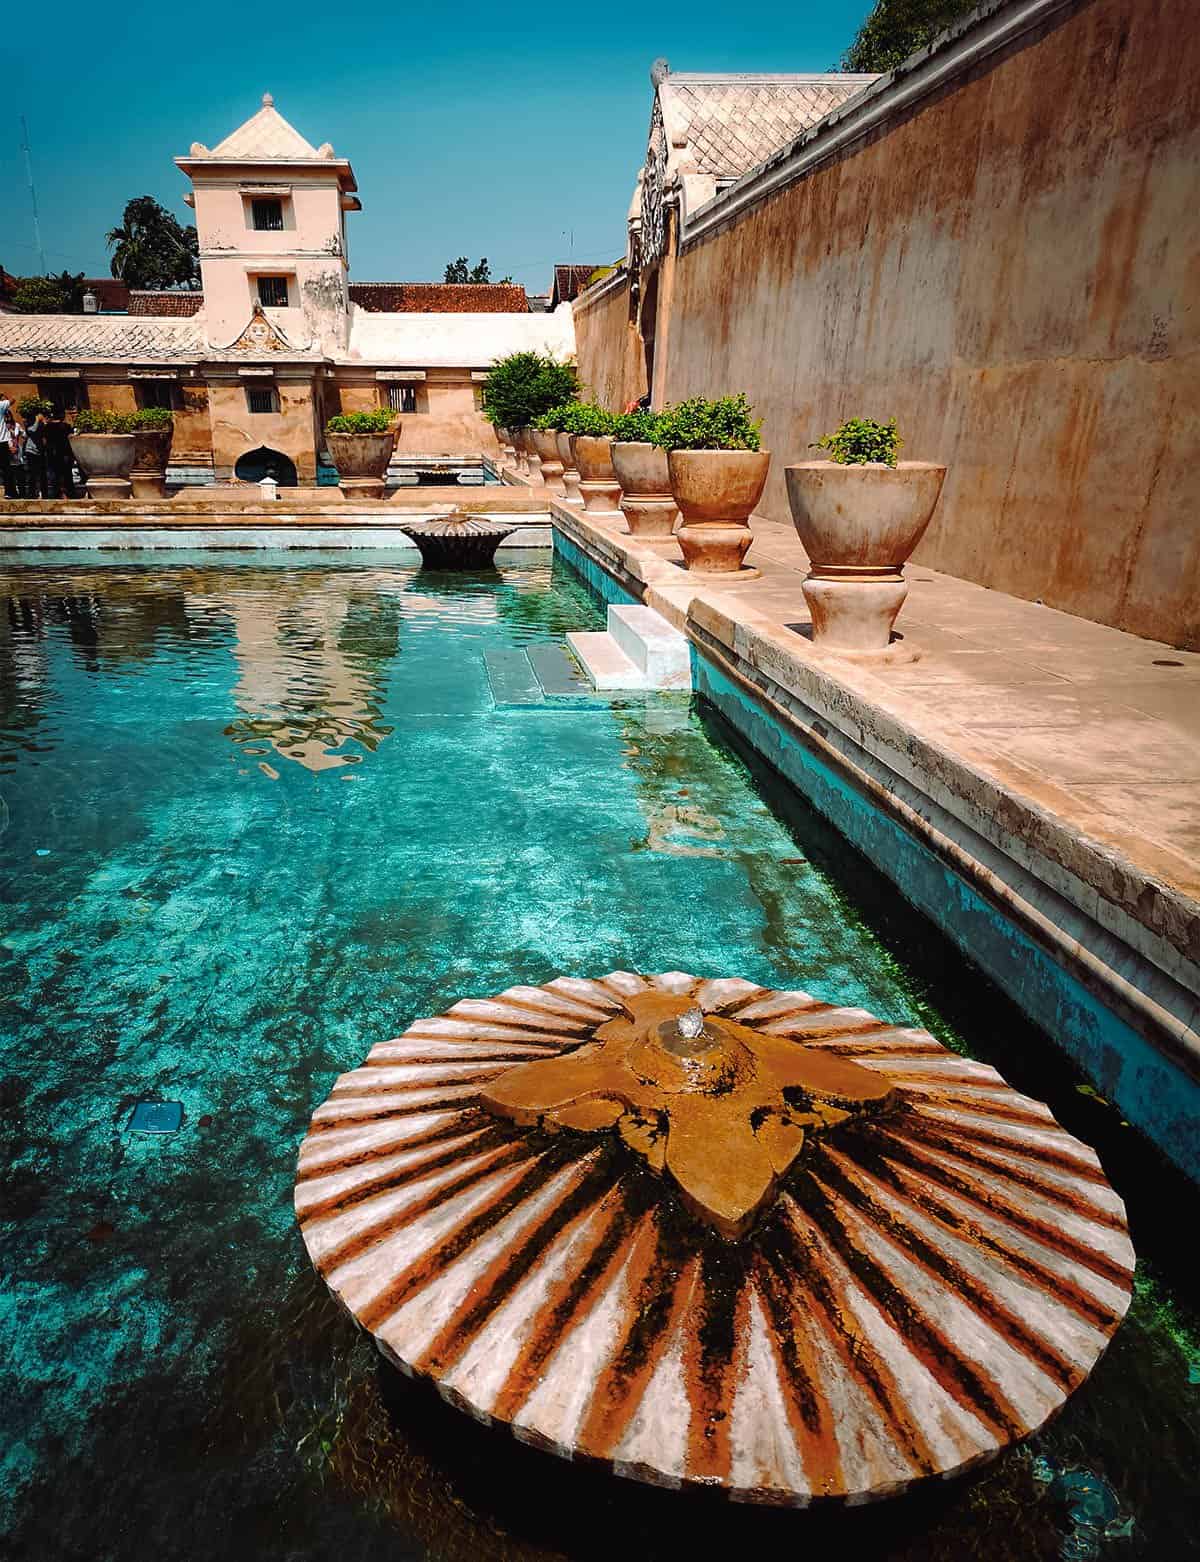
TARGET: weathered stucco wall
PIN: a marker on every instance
(1013, 272)
(611, 362)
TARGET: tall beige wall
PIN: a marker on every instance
(611, 362)
(1012, 272)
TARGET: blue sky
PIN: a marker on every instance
(473, 129)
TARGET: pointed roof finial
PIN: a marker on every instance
(268, 100)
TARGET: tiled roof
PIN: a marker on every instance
(164, 305)
(265, 135)
(98, 338)
(569, 282)
(435, 341)
(490, 298)
(733, 123)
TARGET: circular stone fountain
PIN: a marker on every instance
(709, 1233)
(459, 541)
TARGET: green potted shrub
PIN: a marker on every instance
(642, 471)
(859, 515)
(588, 430)
(103, 446)
(557, 420)
(153, 431)
(718, 471)
(521, 387)
(361, 444)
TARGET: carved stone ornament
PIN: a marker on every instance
(710, 1233)
(652, 239)
(260, 336)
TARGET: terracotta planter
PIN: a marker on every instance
(362, 462)
(106, 461)
(545, 442)
(597, 478)
(570, 471)
(645, 479)
(151, 452)
(858, 525)
(716, 491)
(533, 461)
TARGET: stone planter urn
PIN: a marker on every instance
(716, 491)
(598, 483)
(362, 462)
(505, 440)
(570, 472)
(858, 525)
(545, 442)
(645, 478)
(106, 461)
(151, 452)
(533, 461)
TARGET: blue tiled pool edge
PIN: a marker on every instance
(1155, 1093)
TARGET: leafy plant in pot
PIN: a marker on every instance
(521, 387)
(718, 471)
(361, 444)
(153, 431)
(588, 431)
(103, 446)
(642, 471)
(860, 515)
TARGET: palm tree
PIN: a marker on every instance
(151, 249)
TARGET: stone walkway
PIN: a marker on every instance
(1098, 727)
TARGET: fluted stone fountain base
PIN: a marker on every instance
(710, 1233)
(459, 542)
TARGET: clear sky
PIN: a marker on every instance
(473, 129)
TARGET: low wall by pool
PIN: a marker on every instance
(1117, 1013)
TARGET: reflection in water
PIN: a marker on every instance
(310, 661)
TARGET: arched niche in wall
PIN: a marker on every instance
(254, 465)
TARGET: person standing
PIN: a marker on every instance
(35, 456)
(57, 436)
(8, 449)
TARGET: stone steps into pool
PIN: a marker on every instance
(640, 650)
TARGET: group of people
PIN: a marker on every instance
(35, 456)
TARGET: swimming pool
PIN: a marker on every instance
(263, 809)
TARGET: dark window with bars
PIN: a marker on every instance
(156, 393)
(66, 395)
(262, 398)
(402, 398)
(273, 292)
(267, 216)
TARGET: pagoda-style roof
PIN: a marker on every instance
(267, 138)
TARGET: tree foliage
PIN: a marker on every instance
(461, 271)
(897, 28)
(523, 386)
(60, 295)
(862, 442)
(698, 424)
(152, 250)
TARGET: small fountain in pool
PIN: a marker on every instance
(709, 1233)
(460, 540)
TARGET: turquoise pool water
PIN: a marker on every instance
(261, 811)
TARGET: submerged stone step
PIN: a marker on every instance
(558, 672)
(513, 680)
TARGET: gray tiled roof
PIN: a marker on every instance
(733, 123)
(98, 338)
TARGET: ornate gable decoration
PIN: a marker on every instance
(260, 336)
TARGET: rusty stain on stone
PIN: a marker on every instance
(927, 1278)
